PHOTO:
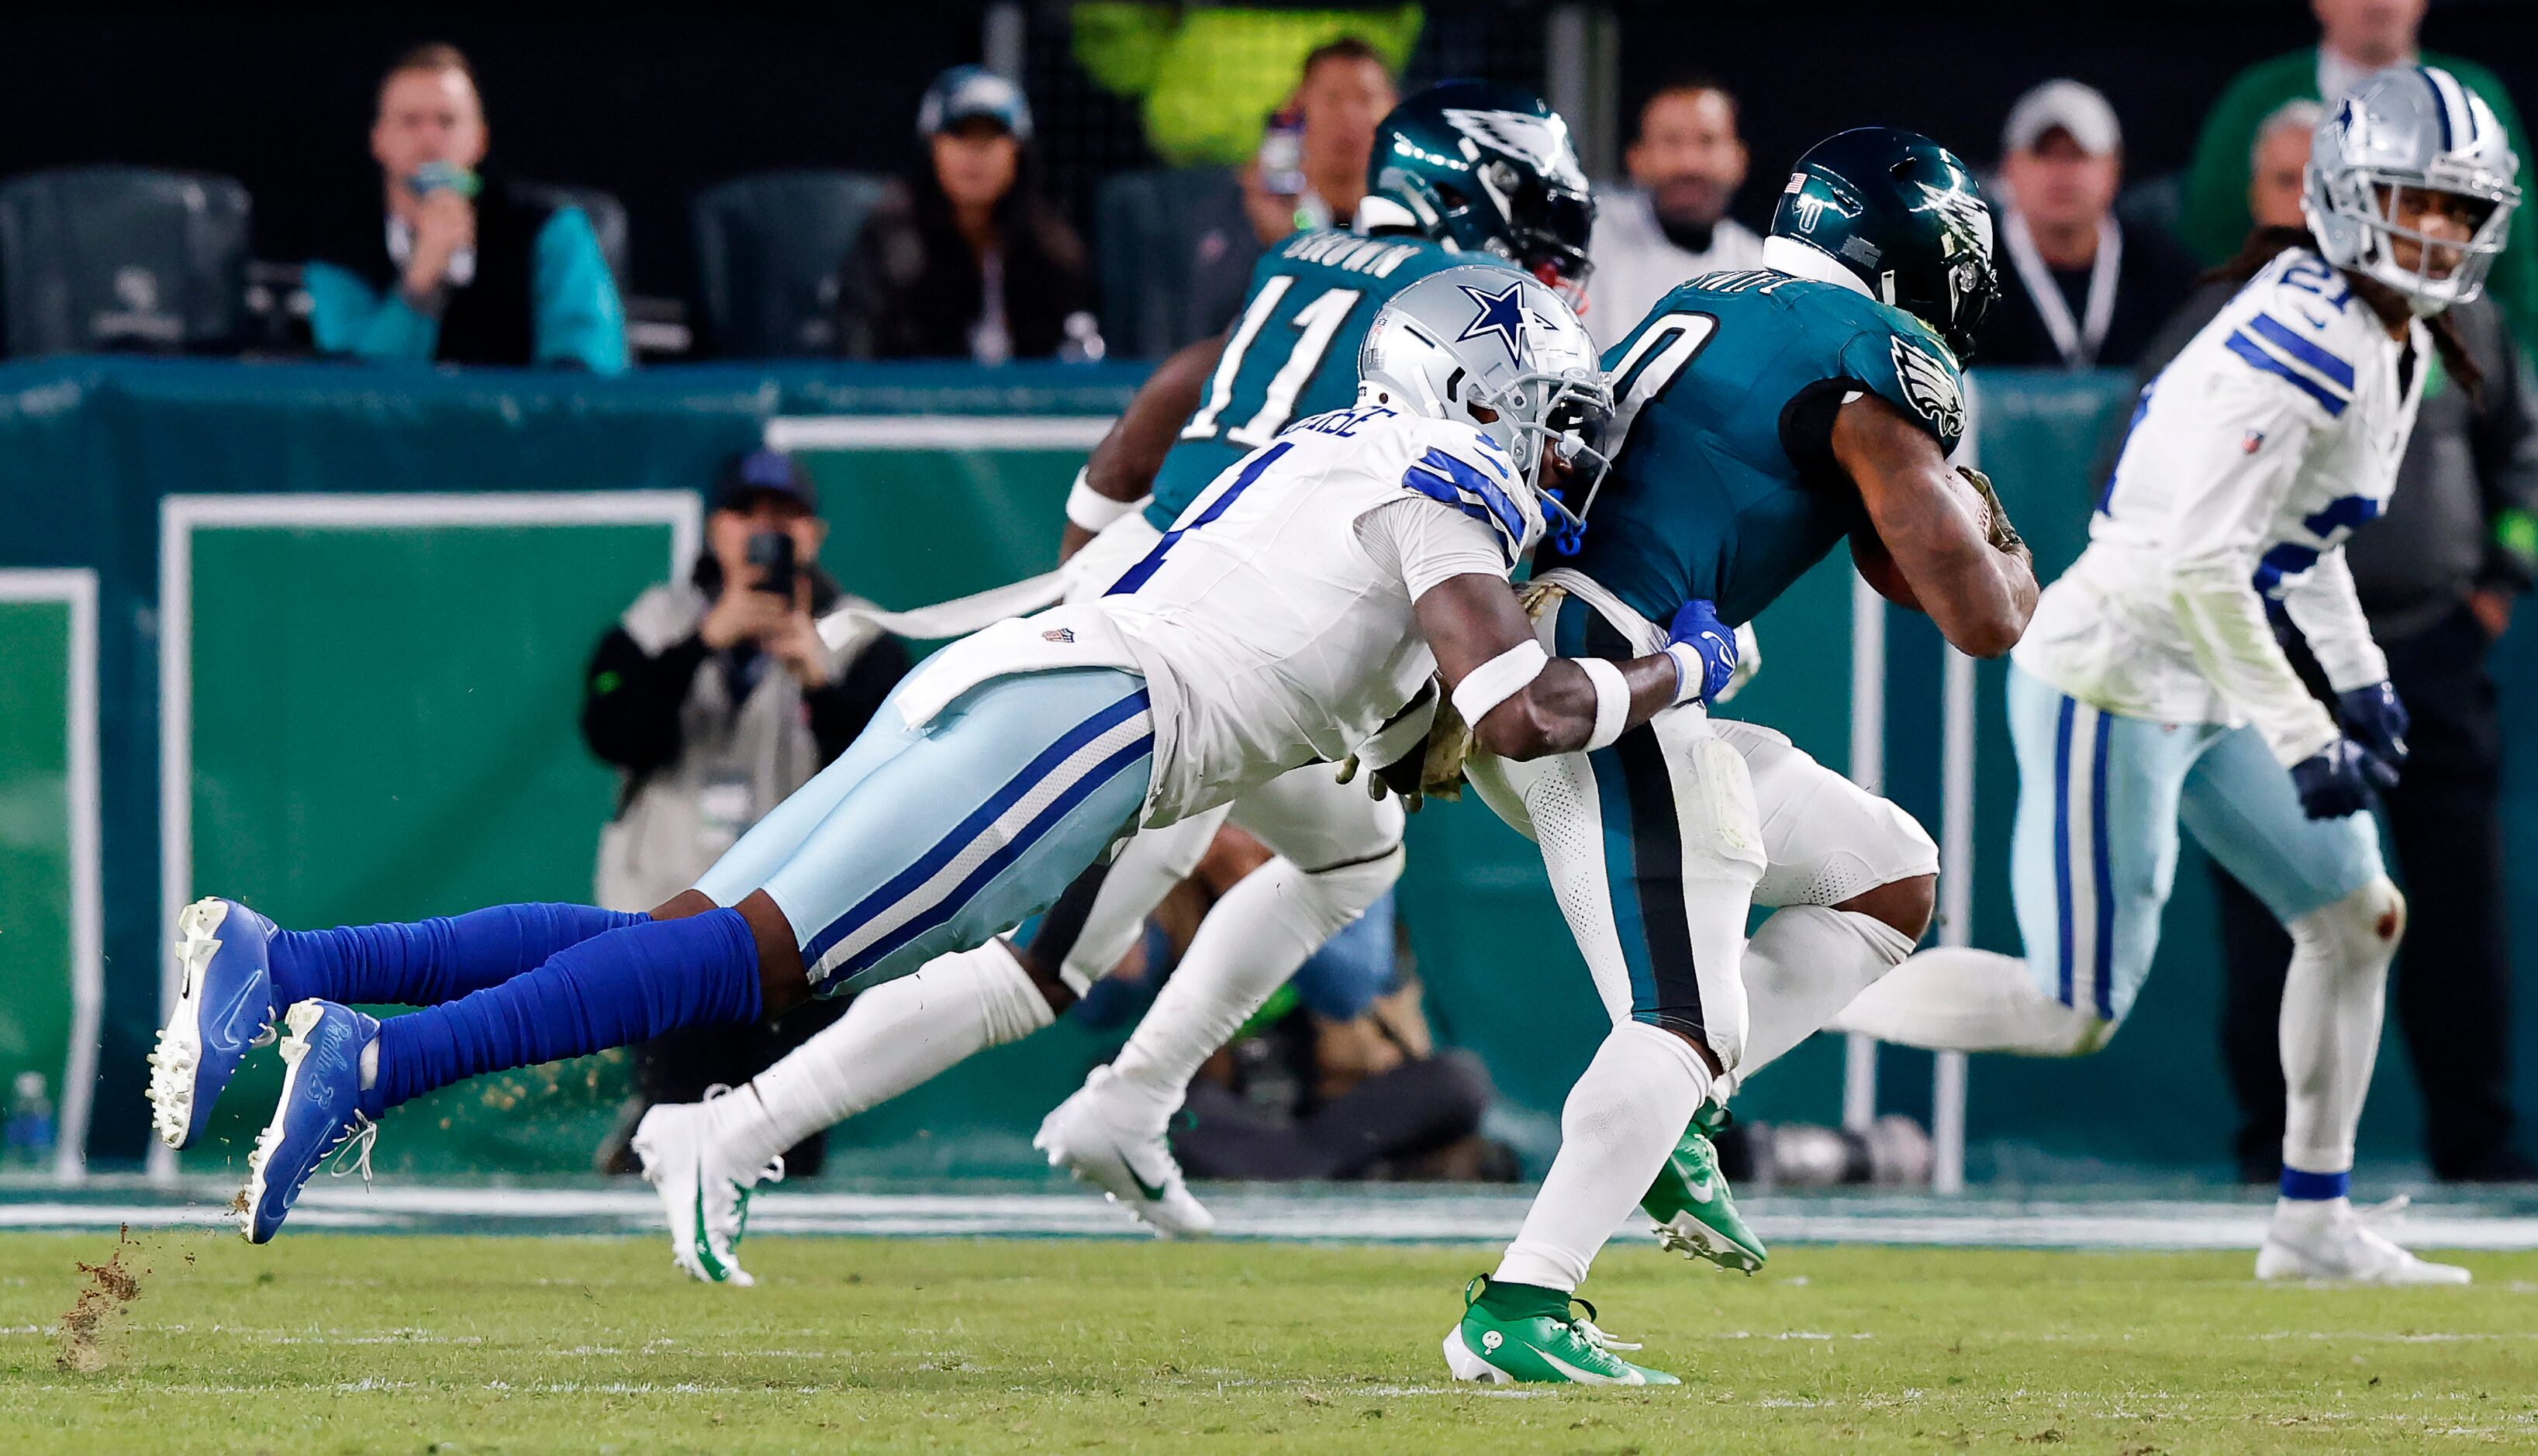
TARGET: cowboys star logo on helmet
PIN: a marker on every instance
(1540, 140)
(1502, 314)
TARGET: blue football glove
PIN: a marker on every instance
(1703, 649)
(2374, 718)
(2334, 781)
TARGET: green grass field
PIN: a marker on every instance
(326, 1344)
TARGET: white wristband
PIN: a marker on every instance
(1612, 700)
(1495, 680)
(1690, 673)
(1092, 510)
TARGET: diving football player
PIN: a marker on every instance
(1301, 604)
(1461, 173)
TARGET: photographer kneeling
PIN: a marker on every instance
(717, 698)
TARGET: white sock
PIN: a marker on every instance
(898, 1036)
(2299, 1216)
(2332, 999)
(1617, 1129)
(1805, 964)
(1958, 999)
(1252, 940)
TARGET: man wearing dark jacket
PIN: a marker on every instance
(717, 698)
(457, 269)
(2438, 575)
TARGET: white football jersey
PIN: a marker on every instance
(1273, 621)
(2267, 441)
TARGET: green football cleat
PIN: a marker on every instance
(1696, 1213)
(1518, 1332)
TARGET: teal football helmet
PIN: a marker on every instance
(1896, 215)
(1483, 167)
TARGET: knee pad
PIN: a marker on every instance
(1331, 900)
(2361, 929)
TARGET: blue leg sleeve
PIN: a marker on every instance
(429, 962)
(627, 985)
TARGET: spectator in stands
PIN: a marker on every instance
(2438, 576)
(2355, 38)
(965, 258)
(715, 697)
(1345, 91)
(2085, 291)
(2278, 165)
(1319, 140)
(1671, 223)
(459, 269)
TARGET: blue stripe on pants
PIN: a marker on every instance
(969, 830)
(2062, 840)
(952, 833)
(2103, 877)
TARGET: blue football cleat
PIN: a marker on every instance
(224, 1007)
(320, 1110)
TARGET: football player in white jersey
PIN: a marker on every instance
(2151, 689)
(1338, 847)
(1298, 609)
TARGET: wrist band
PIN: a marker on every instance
(1092, 510)
(1612, 700)
(1501, 678)
(1691, 673)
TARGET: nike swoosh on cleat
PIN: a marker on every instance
(1151, 1192)
(704, 1246)
(1582, 1377)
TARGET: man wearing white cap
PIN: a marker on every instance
(2087, 292)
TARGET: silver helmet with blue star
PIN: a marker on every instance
(1492, 348)
(2411, 141)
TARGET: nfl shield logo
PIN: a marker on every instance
(1058, 634)
(2254, 441)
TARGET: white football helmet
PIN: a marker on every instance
(1467, 342)
(2410, 128)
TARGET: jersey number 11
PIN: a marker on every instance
(1314, 324)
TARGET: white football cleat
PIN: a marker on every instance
(705, 1201)
(1096, 1136)
(2340, 1248)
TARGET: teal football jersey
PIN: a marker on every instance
(1292, 352)
(1723, 484)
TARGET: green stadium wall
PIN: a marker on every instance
(357, 602)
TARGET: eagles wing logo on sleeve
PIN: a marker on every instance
(1930, 387)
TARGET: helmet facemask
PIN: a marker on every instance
(2370, 200)
(1543, 416)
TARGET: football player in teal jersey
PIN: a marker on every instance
(1760, 417)
(1464, 171)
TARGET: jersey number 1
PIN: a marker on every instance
(1315, 323)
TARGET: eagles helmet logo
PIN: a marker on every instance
(1931, 388)
(1542, 141)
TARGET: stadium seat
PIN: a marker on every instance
(768, 251)
(1149, 235)
(122, 258)
(606, 217)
